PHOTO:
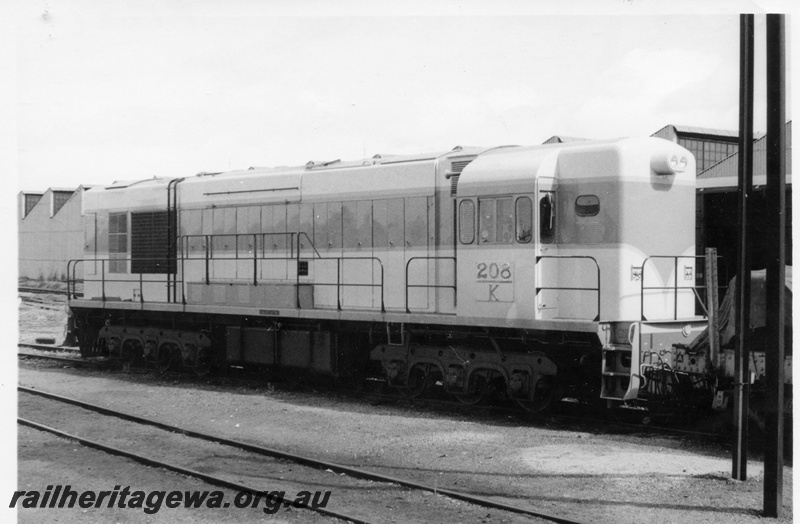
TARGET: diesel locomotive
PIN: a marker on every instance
(528, 273)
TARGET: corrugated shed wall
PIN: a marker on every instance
(46, 243)
(730, 166)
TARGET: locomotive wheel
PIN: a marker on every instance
(417, 382)
(202, 362)
(131, 351)
(479, 387)
(164, 358)
(544, 395)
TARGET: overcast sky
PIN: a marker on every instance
(114, 91)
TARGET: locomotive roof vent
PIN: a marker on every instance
(669, 163)
(454, 172)
(311, 164)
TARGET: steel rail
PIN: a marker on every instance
(178, 469)
(69, 360)
(648, 428)
(41, 290)
(300, 459)
(46, 347)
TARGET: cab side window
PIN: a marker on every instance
(524, 216)
(505, 221)
(487, 220)
(496, 220)
(466, 221)
(547, 217)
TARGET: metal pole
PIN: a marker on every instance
(742, 361)
(776, 257)
(712, 302)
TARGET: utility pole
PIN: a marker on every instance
(742, 361)
(776, 260)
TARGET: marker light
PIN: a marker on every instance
(669, 164)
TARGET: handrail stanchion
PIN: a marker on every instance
(141, 290)
(641, 291)
(406, 286)
(103, 279)
(383, 305)
(297, 274)
(675, 297)
(599, 293)
(183, 271)
(427, 286)
(208, 254)
(255, 259)
(338, 284)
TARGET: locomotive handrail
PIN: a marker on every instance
(208, 244)
(562, 288)
(339, 284)
(291, 252)
(675, 286)
(73, 264)
(428, 286)
(104, 278)
(309, 242)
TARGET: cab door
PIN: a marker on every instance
(546, 264)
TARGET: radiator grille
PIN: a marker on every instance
(150, 243)
(453, 184)
(455, 171)
(459, 165)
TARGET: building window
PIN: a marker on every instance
(59, 199)
(466, 221)
(118, 242)
(524, 216)
(30, 202)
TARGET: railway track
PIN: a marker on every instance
(583, 415)
(317, 465)
(211, 479)
(41, 291)
(48, 347)
(103, 364)
(41, 303)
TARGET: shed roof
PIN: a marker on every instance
(725, 173)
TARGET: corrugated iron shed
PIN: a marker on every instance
(725, 174)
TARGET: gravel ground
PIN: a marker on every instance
(46, 460)
(362, 499)
(590, 474)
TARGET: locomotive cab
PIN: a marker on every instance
(568, 233)
(599, 232)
